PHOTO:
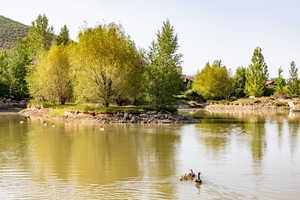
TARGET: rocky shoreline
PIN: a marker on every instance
(12, 103)
(245, 108)
(139, 117)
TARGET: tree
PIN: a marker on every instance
(19, 58)
(4, 87)
(213, 82)
(293, 84)
(280, 82)
(63, 37)
(256, 75)
(163, 73)
(51, 77)
(40, 34)
(23, 55)
(107, 64)
(239, 82)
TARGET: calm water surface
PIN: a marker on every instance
(240, 157)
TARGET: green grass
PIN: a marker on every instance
(57, 112)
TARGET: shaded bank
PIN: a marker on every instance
(12, 103)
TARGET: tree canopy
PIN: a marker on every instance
(108, 64)
(256, 75)
(293, 84)
(239, 82)
(51, 78)
(163, 73)
(213, 82)
(63, 37)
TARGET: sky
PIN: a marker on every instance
(228, 30)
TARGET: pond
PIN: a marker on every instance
(240, 156)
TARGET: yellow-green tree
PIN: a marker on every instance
(107, 65)
(50, 79)
(213, 82)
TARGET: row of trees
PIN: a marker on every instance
(215, 82)
(104, 66)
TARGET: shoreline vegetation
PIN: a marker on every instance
(108, 115)
(153, 115)
(103, 76)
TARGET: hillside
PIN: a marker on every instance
(10, 31)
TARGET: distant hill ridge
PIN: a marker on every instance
(10, 31)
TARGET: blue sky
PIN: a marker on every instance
(207, 30)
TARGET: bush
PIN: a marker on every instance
(192, 95)
(213, 82)
(269, 91)
(3, 89)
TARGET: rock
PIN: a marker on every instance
(66, 113)
(257, 101)
(126, 116)
(183, 106)
(134, 119)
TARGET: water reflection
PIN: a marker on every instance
(241, 156)
(219, 127)
(94, 157)
(12, 139)
(294, 126)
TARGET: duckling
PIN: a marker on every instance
(191, 175)
(184, 177)
(198, 180)
(45, 123)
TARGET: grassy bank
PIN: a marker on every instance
(56, 109)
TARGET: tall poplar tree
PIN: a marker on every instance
(63, 37)
(239, 81)
(163, 74)
(293, 85)
(41, 34)
(256, 75)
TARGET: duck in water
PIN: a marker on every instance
(191, 175)
(198, 181)
(184, 177)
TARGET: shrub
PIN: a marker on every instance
(192, 95)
